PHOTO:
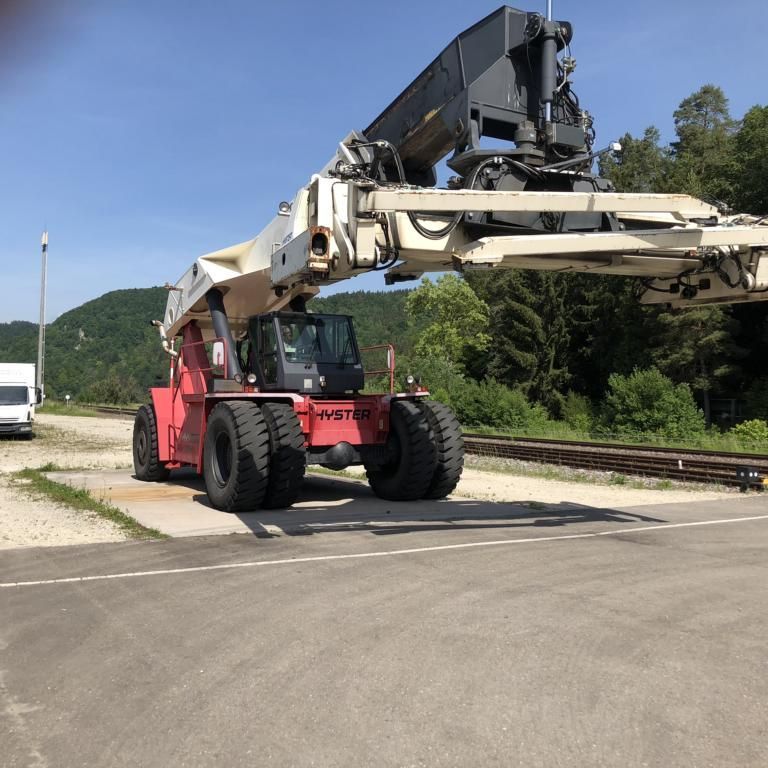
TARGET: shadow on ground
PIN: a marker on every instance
(329, 505)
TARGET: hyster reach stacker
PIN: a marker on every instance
(260, 388)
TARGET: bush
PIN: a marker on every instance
(491, 404)
(577, 412)
(112, 390)
(753, 431)
(477, 404)
(647, 403)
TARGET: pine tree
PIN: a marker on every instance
(704, 164)
(751, 150)
(529, 327)
(642, 165)
(697, 346)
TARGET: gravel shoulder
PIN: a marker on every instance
(79, 442)
(66, 441)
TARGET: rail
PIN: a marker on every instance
(669, 463)
(389, 370)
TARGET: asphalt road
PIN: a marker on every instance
(574, 638)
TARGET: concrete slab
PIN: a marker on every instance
(180, 507)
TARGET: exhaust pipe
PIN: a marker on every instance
(215, 301)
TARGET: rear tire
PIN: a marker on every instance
(236, 456)
(146, 462)
(287, 455)
(411, 442)
(450, 449)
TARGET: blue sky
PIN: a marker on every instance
(143, 134)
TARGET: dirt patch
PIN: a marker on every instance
(70, 441)
(66, 441)
(36, 522)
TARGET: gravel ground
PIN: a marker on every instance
(83, 442)
(67, 441)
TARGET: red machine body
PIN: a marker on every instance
(197, 385)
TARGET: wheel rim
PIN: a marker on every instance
(222, 459)
(141, 447)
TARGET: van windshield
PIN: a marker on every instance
(14, 396)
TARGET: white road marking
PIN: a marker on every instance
(387, 553)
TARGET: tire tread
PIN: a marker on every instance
(287, 455)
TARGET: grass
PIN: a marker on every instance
(62, 409)
(562, 431)
(35, 483)
(59, 409)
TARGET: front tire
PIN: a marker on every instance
(236, 457)
(287, 455)
(146, 463)
(413, 455)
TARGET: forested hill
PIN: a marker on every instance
(106, 350)
(109, 337)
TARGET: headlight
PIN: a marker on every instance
(409, 379)
(251, 378)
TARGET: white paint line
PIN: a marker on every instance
(387, 553)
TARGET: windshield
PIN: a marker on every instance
(319, 339)
(13, 396)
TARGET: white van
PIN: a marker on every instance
(18, 397)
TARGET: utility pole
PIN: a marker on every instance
(41, 334)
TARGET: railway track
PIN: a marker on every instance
(670, 463)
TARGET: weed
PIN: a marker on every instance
(35, 483)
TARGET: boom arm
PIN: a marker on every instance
(532, 204)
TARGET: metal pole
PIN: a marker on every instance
(548, 104)
(41, 333)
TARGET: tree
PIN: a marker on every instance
(642, 166)
(648, 403)
(453, 320)
(751, 150)
(529, 326)
(609, 331)
(697, 346)
(704, 162)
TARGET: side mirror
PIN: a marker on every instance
(218, 353)
(38, 395)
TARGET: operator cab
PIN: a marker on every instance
(306, 353)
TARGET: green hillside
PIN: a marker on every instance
(379, 316)
(107, 338)
(106, 349)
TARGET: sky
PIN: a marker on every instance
(143, 134)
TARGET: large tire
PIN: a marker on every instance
(287, 455)
(146, 462)
(450, 449)
(411, 442)
(236, 456)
